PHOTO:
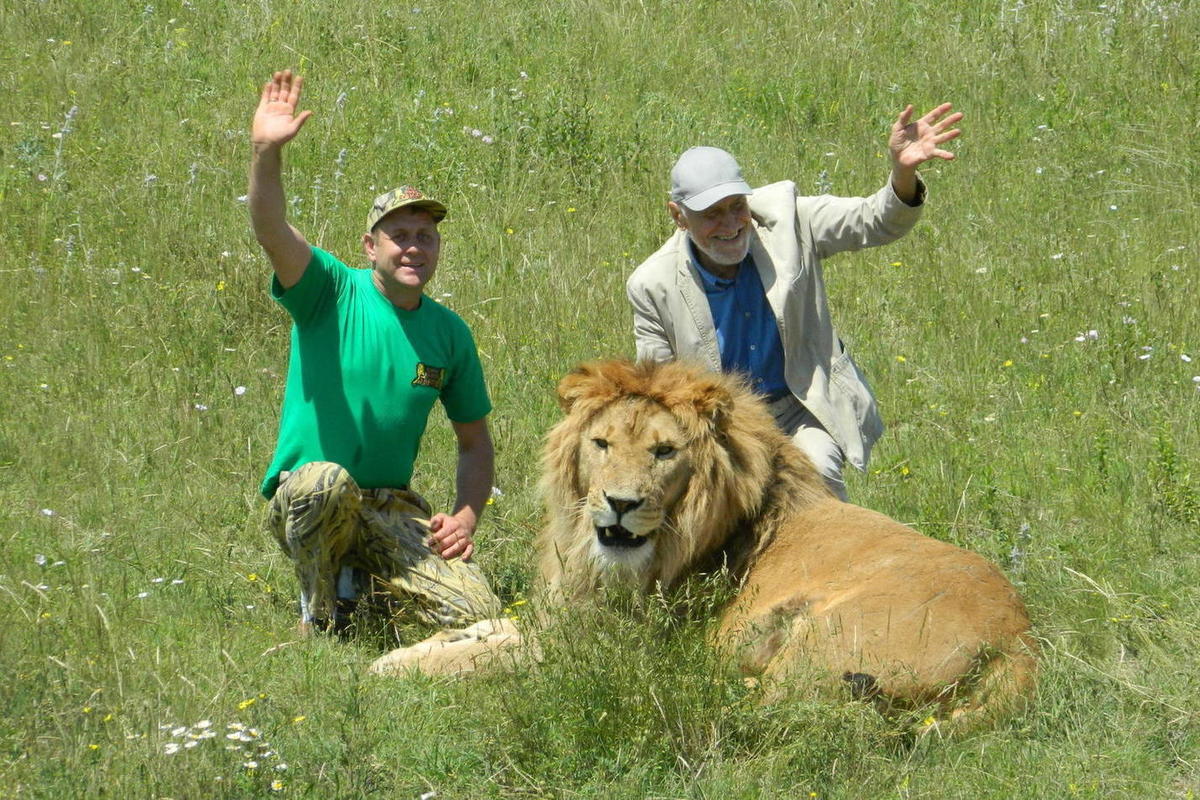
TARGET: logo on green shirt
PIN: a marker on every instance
(432, 377)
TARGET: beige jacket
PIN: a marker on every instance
(671, 317)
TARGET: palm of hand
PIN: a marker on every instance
(914, 144)
(915, 141)
(275, 121)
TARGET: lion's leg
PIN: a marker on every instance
(314, 517)
(454, 652)
(1001, 685)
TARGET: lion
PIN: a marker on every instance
(658, 471)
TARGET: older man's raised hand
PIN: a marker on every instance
(914, 141)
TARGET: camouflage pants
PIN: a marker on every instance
(343, 539)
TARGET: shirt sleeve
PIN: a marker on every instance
(465, 395)
(315, 290)
(838, 224)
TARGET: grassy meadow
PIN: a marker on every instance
(1034, 345)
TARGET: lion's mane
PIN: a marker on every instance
(747, 478)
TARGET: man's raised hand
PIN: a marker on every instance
(275, 119)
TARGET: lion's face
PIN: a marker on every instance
(634, 462)
(650, 471)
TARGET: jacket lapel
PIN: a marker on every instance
(776, 292)
(703, 331)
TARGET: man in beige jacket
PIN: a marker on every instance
(738, 287)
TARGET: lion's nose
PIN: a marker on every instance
(621, 505)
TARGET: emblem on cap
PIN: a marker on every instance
(402, 197)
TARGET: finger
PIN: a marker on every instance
(280, 81)
(446, 535)
(300, 120)
(904, 117)
(294, 90)
(468, 551)
(947, 136)
(934, 113)
(949, 121)
(451, 549)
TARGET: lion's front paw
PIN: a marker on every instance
(452, 652)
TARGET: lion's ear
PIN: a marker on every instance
(573, 386)
(592, 381)
(709, 397)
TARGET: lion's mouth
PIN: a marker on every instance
(617, 536)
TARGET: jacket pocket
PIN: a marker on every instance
(855, 396)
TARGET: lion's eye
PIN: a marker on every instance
(601, 443)
(664, 451)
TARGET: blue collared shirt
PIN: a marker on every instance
(747, 335)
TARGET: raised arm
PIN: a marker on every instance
(913, 142)
(275, 124)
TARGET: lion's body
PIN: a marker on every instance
(704, 475)
(658, 471)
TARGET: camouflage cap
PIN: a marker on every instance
(403, 197)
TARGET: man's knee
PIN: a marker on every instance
(320, 497)
(825, 455)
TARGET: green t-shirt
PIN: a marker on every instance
(363, 376)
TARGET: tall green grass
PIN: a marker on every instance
(142, 366)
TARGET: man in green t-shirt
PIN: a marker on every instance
(370, 353)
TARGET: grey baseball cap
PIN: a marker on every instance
(703, 176)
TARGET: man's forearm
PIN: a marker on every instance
(476, 470)
(285, 246)
(265, 196)
(904, 184)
